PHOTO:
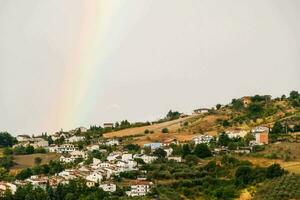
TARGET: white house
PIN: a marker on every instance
(7, 186)
(74, 139)
(147, 159)
(108, 125)
(127, 156)
(66, 148)
(108, 187)
(175, 158)
(112, 142)
(200, 139)
(82, 129)
(96, 161)
(141, 188)
(40, 143)
(127, 165)
(105, 164)
(95, 177)
(201, 110)
(53, 148)
(112, 156)
(78, 154)
(66, 158)
(260, 129)
(153, 146)
(236, 134)
(93, 147)
(23, 138)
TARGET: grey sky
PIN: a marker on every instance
(151, 56)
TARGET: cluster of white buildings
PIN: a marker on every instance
(26, 140)
(139, 187)
(202, 139)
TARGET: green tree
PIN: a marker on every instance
(173, 115)
(29, 149)
(202, 151)
(277, 128)
(191, 159)
(255, 110)
(165, 130)
(160, 153)
(146, 131)
(243, 176)
(237, 104)
(294, 95)
(218, 106)
(186, 150)
(274, 170)
(25, 173)
(6, 140)
(223, 139)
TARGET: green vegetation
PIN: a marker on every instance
(165, 130)
(6, 140)
(281, 188)
(49, 169)
(21, 150)
(210, 181)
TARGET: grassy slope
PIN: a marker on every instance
(204, 123)
(26, 161)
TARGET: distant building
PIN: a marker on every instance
(108, 187)
(4, 186)
(140, 188)
(108, 125)
(246, 101)
(202, 139)
(23, 138)
(74, 139)
(153, 146)
(93, 147)
(260, 129)
(262, 138)
(261, 134)
(81, 129)
(236, 133)
(175, 158)
(65, 148)
(112, 142)
(201, 110)
(94, 177)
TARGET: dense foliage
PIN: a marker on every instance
(6, 140)
(282, 188)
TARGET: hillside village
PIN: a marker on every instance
(121, 157)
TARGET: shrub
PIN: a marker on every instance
(202, 151)
(165, 130)
(146, 131)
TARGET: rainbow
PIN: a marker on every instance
(86, 61)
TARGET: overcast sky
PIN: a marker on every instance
(71, 63)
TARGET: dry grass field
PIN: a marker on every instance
(26, 161)
(197, 124)
(156, 135)
(291, 166)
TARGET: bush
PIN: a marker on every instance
(165, 130)
(243, 176)
(202, 151)
(146, 131)
(6, 140)
(274, 171)
(160, 153)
